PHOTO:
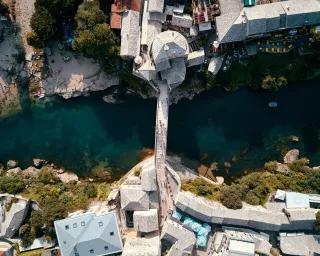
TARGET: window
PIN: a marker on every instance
(74, 225)
(106, 247)
(67, 227)
(91, 251)
(83, 223)
(111, 233)
(100, 223)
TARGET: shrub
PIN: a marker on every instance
(12, 185)
(299, 165)
(34, 40)
(252, 199)
(137, 172)
(270, 166)
(37, 222)
(26, 235)
(230, 197)
(273, 83)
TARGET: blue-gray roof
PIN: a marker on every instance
(89, 234)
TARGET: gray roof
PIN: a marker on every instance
(133, 198)
(146, 221)
(195, 58)
(138, 246)
(255, 217)
(237, 23)
(294, 244)
(231, 27)
(182, 239)
(175, 75)
(130, 34)
(168, 45)
(182, 20)
(14, 218)
(89, 234)
(155, 5)
(148, 177)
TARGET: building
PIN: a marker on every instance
(137, 246)
(120, 6)
(255, 217)
(299, 244)
(130, 35)
(241, 248)
(239, 23)
(89, 234)
(146, 221)
(12, 219)
(182, 240)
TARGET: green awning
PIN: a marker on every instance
(249, 2)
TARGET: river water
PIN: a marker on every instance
(216, 126)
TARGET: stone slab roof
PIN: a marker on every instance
(300, 244)
(130, 35)
(137, 246)
(146, 221)
(133, 198)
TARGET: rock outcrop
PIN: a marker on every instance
(291, 156)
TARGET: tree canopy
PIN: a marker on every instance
(94, 37)
(4, 10)
(42, 23)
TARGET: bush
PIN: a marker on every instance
(26, 235)
(251, 198)
(299, 165)
(42, 23)
(12, 185)
(273, 83)
(37, 222)
(34, 40)
(231, 197)
(270, 166)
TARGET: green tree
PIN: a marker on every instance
(230, 196)
(12, 185)
(273, 83)
(34, 40)
(37, 222)
(99, 42)
(89, 15)
(26, 235)
(4, 10)
(42, 23)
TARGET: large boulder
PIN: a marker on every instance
(39, 162)
(67, 177)
(14, 171)
(31, 171)
(291, 156)
(12, 164)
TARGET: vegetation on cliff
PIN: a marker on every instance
(55, 198)
(255, 187)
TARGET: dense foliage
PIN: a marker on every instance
(94, 37)
(49, 18)
(43, 23)
(273, 83)
(4, 10)
(55, 198)
(255, 187)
